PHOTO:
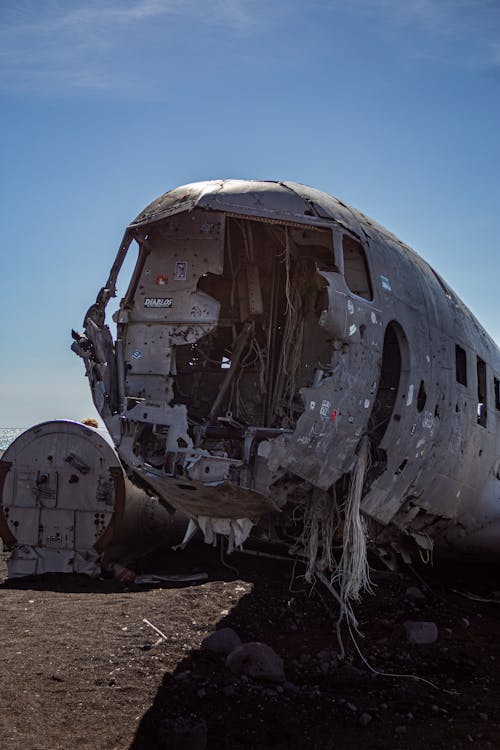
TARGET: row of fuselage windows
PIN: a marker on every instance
(481, 382)
(358, 280)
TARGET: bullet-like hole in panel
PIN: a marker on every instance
(422, 396)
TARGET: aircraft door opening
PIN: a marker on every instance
(394, 360)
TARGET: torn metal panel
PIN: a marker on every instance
(268, 331)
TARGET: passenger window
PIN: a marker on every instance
(496, 383)
(481, 392)
(356, 268)
(461, 365)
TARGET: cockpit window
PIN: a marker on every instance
(356, 271)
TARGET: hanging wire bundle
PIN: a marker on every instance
(323, 522)
(353, 571)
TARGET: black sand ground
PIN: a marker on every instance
(79, 668)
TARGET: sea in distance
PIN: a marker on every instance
(8, 434)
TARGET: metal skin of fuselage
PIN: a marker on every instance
(268, 328)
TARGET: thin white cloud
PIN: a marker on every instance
(45, 43)
(120, 45)
(50, 16)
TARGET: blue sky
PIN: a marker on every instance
(392, 106)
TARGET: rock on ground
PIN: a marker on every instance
(257, 660)
(420, 632)
(223, 641)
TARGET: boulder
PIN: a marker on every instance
(257, 660)
(222, 641)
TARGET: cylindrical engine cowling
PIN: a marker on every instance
(65, 502)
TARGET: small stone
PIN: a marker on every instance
(201, 693)
(483, 717)
(401, 730)
(420, 632)
(352, 707)
(229, 691)
(365, 719)
(222, 641)
(257, 660)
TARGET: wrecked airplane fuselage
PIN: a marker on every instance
(267, 331)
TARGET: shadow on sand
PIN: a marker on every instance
(244, 714)
(324, 703)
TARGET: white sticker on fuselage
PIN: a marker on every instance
(409, 399)
(386, 284)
